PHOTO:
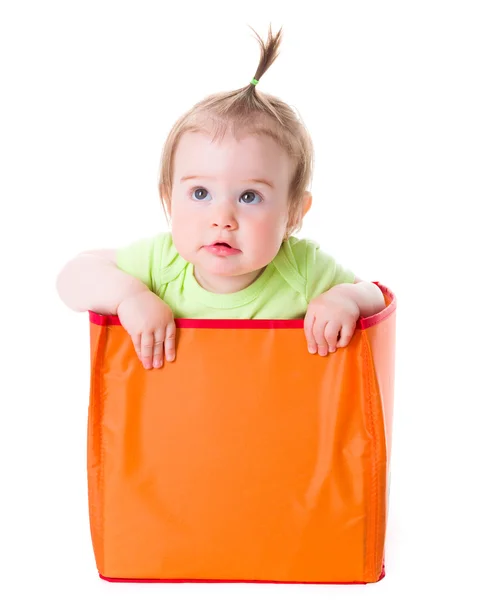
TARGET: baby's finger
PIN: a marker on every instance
(137, 344)
(319, 334)
(308, 328)
(346, 334)
(158, 348)
(331, 333)
(147, 349)
(170, 341)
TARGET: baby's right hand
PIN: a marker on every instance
(150, 323)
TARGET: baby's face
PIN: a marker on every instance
(232, 190)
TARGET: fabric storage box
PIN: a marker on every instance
(246, 459)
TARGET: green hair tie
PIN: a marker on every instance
(254, 81)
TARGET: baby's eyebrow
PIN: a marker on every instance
(263, 181)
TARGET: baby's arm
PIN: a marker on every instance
(92, 281)
(365, 294)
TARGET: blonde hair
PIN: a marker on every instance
(257, 113)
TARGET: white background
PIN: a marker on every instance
(393, 94)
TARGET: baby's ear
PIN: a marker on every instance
(304, 207)
(306, 203)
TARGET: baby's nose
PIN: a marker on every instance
(225, 224)
(224, 218)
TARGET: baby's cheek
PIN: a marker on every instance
(269, 238)
(183, 240)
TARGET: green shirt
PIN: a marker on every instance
(298, 273)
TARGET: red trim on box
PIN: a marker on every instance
(212, 323)
(105, 320)
(385, 312)
(117, 580)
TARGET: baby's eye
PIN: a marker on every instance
(248, 198)
(200, 194)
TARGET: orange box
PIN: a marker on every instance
(246, 459)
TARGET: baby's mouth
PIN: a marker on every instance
(222, 249)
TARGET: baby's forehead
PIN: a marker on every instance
(260, 135)
(250, 151)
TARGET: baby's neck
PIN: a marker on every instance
(220, 284)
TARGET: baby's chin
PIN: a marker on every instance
(225, 267)
(229, 266)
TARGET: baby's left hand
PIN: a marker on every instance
(330, 321)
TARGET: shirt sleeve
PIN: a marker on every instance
(323, 272)
(142, 258)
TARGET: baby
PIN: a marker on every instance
(233, 184)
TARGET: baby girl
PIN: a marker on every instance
(233, 184)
